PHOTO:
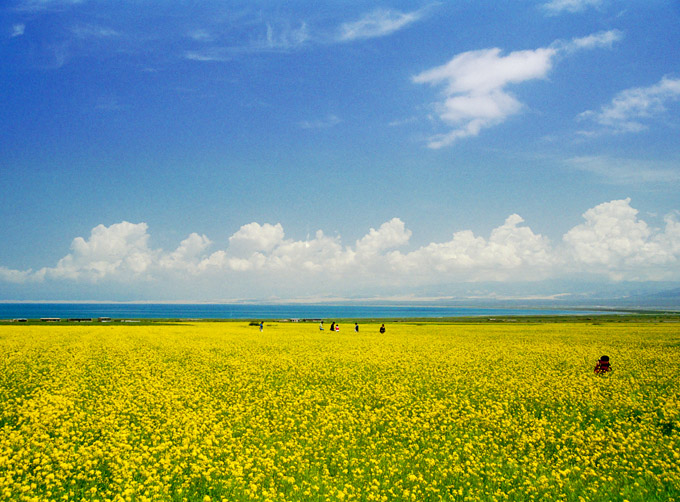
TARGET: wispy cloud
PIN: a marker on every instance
(280, 35)
(201, 35)
(273, 37)
(378, 23)
(603, 39)
(17, 30)
(555, 7)
(325, 123)
(632, 108)
(210, 54)
(284, 37)
(475, 94)
(627, 171)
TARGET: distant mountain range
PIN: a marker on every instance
(644, 296)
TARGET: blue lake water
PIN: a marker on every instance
(248, 311)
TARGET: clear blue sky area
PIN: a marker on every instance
(216, 150)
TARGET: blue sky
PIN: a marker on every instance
(229, 150)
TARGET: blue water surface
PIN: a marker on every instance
(249, 311)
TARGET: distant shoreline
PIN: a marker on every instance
(267, 311)
(72, 313)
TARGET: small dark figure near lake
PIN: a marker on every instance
(603, 366)
(333, 326)
(356, 327)
(382, 329)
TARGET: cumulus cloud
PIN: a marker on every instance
(475, 84)
(615, 240)
(390, 235)
(118, 251)
(188, 255)
(611, 242)
(510, 251)
(16, 276)
(378, 23)
(631, 108)
(254, 237)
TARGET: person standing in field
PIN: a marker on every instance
(321, 326)
(261, 326)
(333, 326)
(382, 329)
(356, 327)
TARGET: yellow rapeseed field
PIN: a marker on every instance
(219, 411)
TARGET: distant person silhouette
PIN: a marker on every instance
(382, 329)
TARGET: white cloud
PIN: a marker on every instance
(254, 237)
(210, 54)
(188, 255)
(118, 251)
(390, 234)
(263, 249)
(630, 108)
(201, 35)
(511, 251)
(281, 35)
(475, 95)
(378, 23)
(571, 6)
(615, 241)
(285, 37)
(612, 242)
(319, 255)
(18, 30)
(603, 39)
(16, 276)
(274, 37)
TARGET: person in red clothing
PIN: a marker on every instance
(603, 366)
